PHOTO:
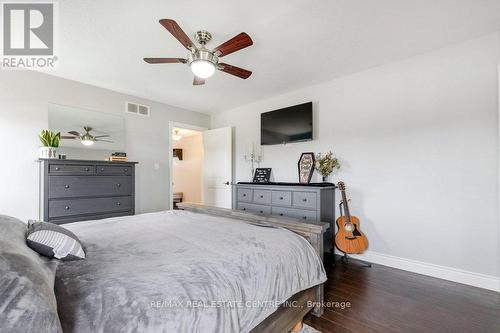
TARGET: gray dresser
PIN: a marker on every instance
(314, 202)
(77, 190)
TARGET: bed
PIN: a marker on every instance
(196, 270)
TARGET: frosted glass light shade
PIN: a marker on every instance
(202, 68)
(87, 142)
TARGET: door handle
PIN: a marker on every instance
(226, 183)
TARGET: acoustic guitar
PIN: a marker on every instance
(349, 238)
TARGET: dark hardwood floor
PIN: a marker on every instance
(384, 299)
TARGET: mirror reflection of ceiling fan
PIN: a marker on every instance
(86, 139)
(204, 61)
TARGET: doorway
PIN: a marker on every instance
(187, 166)
(200, 163)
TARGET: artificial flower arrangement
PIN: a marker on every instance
(325, 164)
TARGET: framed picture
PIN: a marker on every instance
(262, 175)
(306, 167)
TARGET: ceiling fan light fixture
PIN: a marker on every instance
(87, 139)
(87, 142)
(176, 136)
(202, 68)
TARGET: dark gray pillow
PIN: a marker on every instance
(54, 241)
(27, 299)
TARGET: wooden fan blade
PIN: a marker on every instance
(75, 133)
(198, 81)
(164, 60)
(236, 71)
(234, 44)
(69, 137)
(101, 136)
(177, 32)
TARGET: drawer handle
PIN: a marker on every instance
(118, 203)
(262, 212)
(87, 169)
(118, 185)
(244, 209)
(66, 186)
(102, 169)
(304, 200)
(281, 214)
(261, 196)
(281, 198)
(304, 217)
(57, 169)
(244, 195)
(67, 207)
(125, 170)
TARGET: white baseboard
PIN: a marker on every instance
(442, 272)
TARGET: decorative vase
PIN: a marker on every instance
(47, 152)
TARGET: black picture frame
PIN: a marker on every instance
(306, 167)
(177, 152)
(262, 175)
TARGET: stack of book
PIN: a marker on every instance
(118, 156)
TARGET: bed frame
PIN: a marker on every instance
(286, 318)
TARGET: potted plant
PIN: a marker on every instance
(50, 142)
(325, 164)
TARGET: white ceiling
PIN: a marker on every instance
(296, 42)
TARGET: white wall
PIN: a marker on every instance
(187, 174)
(24, 98)
(419, 144)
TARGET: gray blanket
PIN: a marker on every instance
(27, 301)
(178, 271)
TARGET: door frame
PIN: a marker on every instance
(498, 219)
(171, 126)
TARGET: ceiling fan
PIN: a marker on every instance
(86, 139)
(203, 61)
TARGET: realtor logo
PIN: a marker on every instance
(28, 34)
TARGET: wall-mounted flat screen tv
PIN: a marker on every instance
(291, 124)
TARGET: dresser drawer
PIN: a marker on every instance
(306, 215)
(86, 186)
(251, 208)
(114, 170)
(304, 200)
(245, 194)
(262, 196)
(76, 169)
(281, 198)
(69, 207)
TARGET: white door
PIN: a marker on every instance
(217, 167)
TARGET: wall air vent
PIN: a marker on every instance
(138, 109)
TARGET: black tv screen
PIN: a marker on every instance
(291, 124)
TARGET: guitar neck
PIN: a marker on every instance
(346, 206)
